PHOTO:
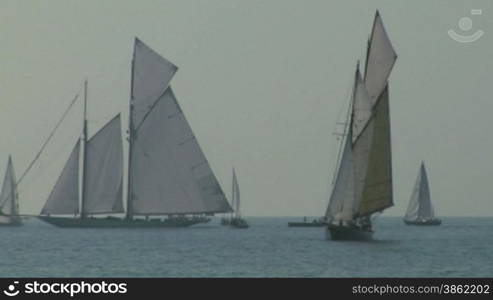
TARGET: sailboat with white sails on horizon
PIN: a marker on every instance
(9, 198)
(420, 210)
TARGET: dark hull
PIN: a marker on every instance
(346, 233)
(10, 221)
(424, 222)
(66, 222)
(11, 224)
(306, 224)
(238, 223)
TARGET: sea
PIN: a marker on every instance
(460, 247)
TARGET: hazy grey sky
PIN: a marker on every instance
(262, 84)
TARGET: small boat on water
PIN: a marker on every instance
(420, 210)
(9, 204)
(305, 223)
(362, 186)
(235, 220)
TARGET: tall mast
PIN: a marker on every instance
(13, 192)
(84, 148)
(130, 144)
(233, 192)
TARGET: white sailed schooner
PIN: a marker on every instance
(9, 203)
(168, 174)
(420, 210)
(363, 183)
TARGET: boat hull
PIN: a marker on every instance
(346, 233)
(10, 221)
(433, 222)
(65, 222)
(238, 223)
(306, 224)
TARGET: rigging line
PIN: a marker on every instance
(47, 140)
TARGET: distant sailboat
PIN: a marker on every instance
(420, 209)
(363, 182)
(168, 174)
(9, 204)
(235, 220)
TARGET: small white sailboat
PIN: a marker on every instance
(363, 182)
(235, 220)
(9, 204)
(420, 210)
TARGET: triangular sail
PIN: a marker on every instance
(362, 106)
(380, 60)
(64, 197)
(9, 206)
(341, 203)
(151, 74)
(420, 206)
(426, 210)
(377, 190)
(170, 174)
(413, 206)
(236, 195)
(104, 170)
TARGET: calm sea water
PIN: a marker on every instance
(460, 247)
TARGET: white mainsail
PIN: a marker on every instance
(420, 206)
(104, 170)
(64, 197)
(169, 172)
(341, 203)
(9, 206)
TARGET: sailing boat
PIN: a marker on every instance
(168, 174)
(363, 182)
(420, 210)
(236, 221)
(9, 204)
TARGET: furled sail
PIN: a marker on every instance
(341, 203)
(104, 170)
(377, 190)
(380, 60)
(170, 174)
(8, 196)
(236, 195)
(420, 206)
(64, 197)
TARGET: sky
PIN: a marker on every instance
(263, 85)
